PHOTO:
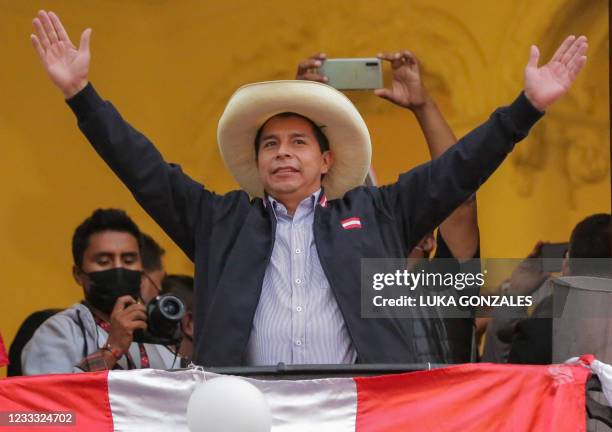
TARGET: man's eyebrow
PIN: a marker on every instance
(268, 136)
(106, 253)
(102, 254)
(292, 135)
(129, 254)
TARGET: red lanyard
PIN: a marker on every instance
(144, 357)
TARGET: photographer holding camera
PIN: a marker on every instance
(99, 333)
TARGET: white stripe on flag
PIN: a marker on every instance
(150, 400)
(155, 401)
(352, 223)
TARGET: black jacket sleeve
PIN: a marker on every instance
(426, 195)
(172, 198)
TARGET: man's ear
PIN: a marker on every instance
(78, 276)
(328, 161)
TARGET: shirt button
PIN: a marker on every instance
(298, 281)
(299, 308)
(298, 251)
(298, 342)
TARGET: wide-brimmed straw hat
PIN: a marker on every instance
(253, 104)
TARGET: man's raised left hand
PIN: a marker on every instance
(544, 85)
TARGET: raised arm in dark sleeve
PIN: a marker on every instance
(424, 196)
(173, 199)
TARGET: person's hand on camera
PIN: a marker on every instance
(529, 275)
(544, 85)
(127, 316)
(66, 65)
(308, 69)
(407, 89)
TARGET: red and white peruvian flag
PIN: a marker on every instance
(351, 223)
(471, 397)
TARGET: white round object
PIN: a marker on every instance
(228, 404)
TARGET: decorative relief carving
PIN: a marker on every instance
(458, 63)
(588, 155)
(577, 126)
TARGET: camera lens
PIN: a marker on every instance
(171, 307)
(164, 314)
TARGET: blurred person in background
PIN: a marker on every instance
(589, 254)
(529, 340)
(527, 278)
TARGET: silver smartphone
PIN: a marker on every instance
(353, 73)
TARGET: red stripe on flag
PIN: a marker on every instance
(3, 356)
(483, 397)
(83, 394)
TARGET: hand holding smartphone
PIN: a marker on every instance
(406, 88)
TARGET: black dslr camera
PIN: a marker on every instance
(164, 314)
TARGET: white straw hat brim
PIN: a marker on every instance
(253, 104)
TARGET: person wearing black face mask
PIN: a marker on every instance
(106, 286)
(98, 334)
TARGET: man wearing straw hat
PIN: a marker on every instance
(278, 262)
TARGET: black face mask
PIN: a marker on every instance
(107, 286)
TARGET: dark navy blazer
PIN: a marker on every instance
(230, 237)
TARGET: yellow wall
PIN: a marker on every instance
(170, 67)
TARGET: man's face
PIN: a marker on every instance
(290, 161)
(107, 250)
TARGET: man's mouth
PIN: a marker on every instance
(285, 170)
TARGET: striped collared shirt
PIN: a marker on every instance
(297, 320)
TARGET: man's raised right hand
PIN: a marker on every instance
(126, 317)
(308, 69)
(66, 65)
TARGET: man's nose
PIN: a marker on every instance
(284, 149)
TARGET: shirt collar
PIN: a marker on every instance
(307, 203)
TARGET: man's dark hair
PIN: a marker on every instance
(316, 130)
(180, 286)
(151, 253)
(591, 238)
(99, 221)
